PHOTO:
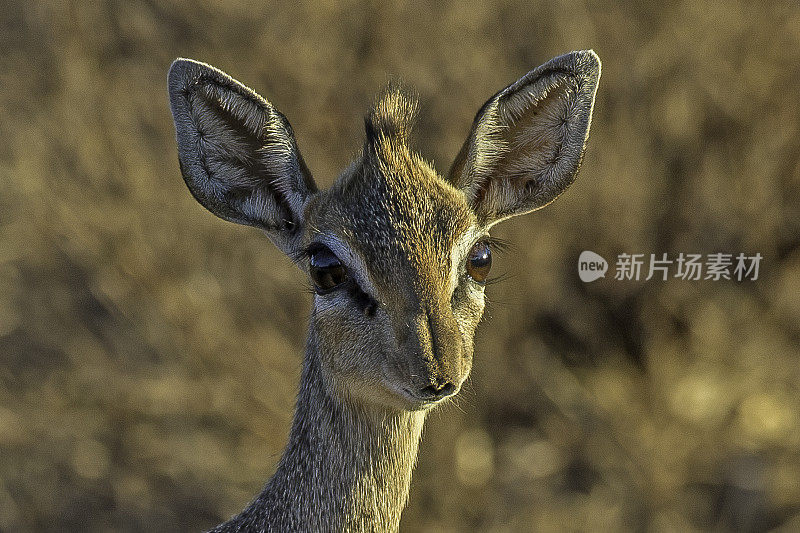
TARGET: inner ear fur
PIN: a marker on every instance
(237, 153)
(527, 141)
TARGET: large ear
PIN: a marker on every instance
(527, 141)
(237, 152)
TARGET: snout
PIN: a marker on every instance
(435, 355)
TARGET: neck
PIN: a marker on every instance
(347, 467)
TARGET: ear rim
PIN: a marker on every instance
(186, 75)
(582, 65)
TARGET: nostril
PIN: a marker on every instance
(438, 392)
(447, 389)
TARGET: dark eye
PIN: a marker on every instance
(327, 272)
(479, 262)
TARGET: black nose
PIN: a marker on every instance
(437, 392)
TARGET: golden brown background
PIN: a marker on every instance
(149, 352)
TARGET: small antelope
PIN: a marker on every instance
(398, 256)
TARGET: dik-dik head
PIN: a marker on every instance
(398, 254)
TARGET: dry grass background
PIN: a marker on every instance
(149, 353)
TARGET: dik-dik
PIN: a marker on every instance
(398, 256)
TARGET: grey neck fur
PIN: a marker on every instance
(347, 467)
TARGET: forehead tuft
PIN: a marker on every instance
(391, 118)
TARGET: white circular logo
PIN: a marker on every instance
(591, 266)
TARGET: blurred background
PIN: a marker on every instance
(150, 353)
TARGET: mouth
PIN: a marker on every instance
(417, 401)
(421, 402)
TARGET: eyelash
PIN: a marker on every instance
(496, 244)
(306, 253)
(500, 247)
